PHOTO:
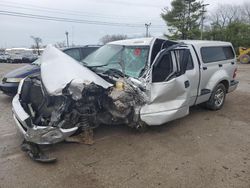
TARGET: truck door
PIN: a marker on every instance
(169, 90)
(192, 69)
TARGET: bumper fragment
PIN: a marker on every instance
(37, 134)
(9, 88)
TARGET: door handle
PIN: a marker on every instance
(187, 84)
(204, 68)
(220, 65)
(232, 63)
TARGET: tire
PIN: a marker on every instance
(217, 98)
(141, 127)
(244, 59)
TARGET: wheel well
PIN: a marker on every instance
(226, 84)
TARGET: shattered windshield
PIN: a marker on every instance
(130, 60)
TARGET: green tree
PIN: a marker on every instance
(236, 32)
(230, 23)
(183, 19)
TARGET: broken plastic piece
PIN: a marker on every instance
(86, 137)
(35, 153)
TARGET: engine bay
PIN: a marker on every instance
(81, 105)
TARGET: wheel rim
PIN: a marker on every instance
(244, 59)
(219, 97)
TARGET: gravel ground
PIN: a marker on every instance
(204, 149)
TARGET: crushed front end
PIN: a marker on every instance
(46, 119)
(49, 109)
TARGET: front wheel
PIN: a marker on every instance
(217, 98)
(141, 126)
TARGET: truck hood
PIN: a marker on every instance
(59, 69)
(22, 72)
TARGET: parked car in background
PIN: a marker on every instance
(136, 82)
(11, 80)
(29, 58)
(22, 55)
(4, 58)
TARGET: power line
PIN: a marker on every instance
(61, 11)
(66, 13)
(64, 19)
(131, 3)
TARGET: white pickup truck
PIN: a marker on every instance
(138, 82)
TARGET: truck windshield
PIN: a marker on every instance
(130, 60)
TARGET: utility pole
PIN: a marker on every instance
(147, 28)
(202, 18)
(67, 38)
(188, 19)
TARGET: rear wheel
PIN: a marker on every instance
(217, 98)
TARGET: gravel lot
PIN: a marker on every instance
(204, 149)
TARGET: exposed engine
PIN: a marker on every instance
(82, 105)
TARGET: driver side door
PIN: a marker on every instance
(169, 90)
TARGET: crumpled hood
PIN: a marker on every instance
(59, 69)
(22, 72)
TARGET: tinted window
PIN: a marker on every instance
(180, 59)
(190, 64)
(213, 54)
(88, 50)
(163, 68)
(74, 53)
(229, 52)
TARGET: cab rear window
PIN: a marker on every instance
(217, 53)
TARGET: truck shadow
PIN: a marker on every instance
(122, 133)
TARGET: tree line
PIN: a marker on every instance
(227, 22)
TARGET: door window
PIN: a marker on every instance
(163, 68)
(217, 53)
(181, 55)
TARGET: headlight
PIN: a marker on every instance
(13, 80)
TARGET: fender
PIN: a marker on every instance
(216, 78)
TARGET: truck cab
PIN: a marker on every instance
(185, 74)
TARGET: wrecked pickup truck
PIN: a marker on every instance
(137, 82)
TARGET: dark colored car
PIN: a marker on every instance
(29, 58)
(11, 80)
